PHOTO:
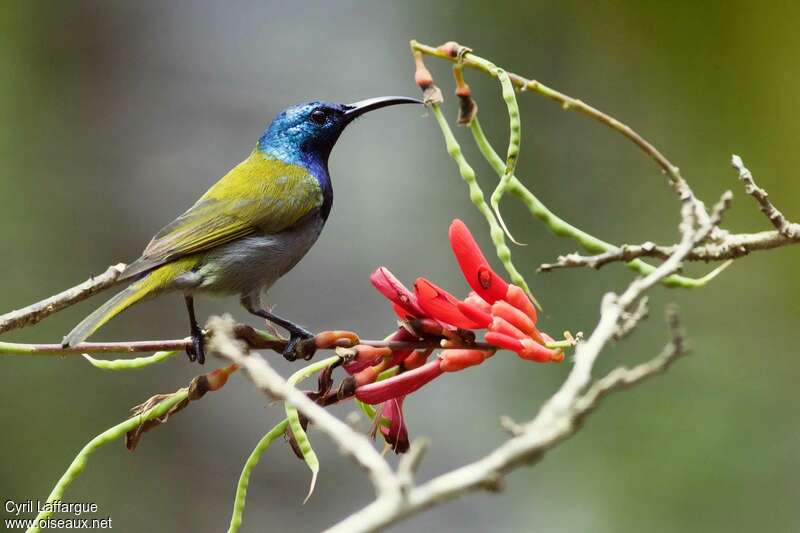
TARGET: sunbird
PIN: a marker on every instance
(250, 228)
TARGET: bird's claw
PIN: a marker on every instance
(196, 351)
(300, 345)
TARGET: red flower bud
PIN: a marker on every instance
(371, 353)
(479, 275)
(501, 340)
(427, 326)
(401, 313)
(517, 318)
(396, 292)
(526, 348)
(368, 375)
(396, 435)
(217, 378)
(533, 351)
(517, 297)
(330, 339)
(441, 305)
(422, 76)
(416, 359)
(473, 299)
(501, 325)
(475, 313)
(399, 385)
(459, 359)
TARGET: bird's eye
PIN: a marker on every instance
(318, 116)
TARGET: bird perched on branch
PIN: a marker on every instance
(250, 228)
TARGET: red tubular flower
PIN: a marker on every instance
(441, 305)
(401, 313)
(459, 359)
(501, 325)
(479, 275)
(514, 316)
(366, 376)
(517, 297)
(526, 347)
(396, 292)
(416, 359)
(475, 313)
(396, 435)
(399, 385)
(533, 351)
(476, 301)
(517, 318)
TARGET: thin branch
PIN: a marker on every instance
(727, 246)
(630, 319)
(255, 339)
(456, 53)
(30, 315)
(781, 223)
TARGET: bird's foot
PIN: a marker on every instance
(196, 351)
(301, 345)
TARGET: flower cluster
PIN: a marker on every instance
(431, 314)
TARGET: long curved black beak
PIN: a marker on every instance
(356, 109)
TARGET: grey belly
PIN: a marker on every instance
(252, 263)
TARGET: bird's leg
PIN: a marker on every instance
(197, 350)
(297, 334)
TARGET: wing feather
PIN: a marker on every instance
(285, 194)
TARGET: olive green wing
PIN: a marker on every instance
(265, 196)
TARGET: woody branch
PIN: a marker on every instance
(726, 246)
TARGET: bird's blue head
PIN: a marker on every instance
(305, 133)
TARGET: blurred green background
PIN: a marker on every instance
(115, 116)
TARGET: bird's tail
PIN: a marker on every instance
(136, 291)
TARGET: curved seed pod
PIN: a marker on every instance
(399, 385)
(299, 434)
(244, 478)
(129, 364)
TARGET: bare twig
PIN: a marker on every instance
(727, 246)
(255, 339)
(30, 315)
(630, 319)
(784, 227)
